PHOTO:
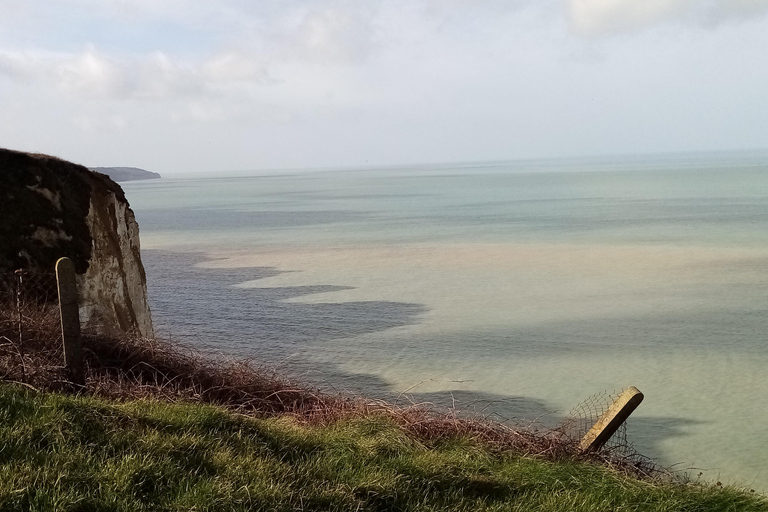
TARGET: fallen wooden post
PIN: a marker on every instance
(611, 419)
(70, 320)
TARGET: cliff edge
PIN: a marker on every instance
(51, 208)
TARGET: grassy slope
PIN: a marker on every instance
(60, 452)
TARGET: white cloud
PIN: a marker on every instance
(332, 32)
(16, 66)
(100, 123)
(233, 67)
(598, 17)
(727, 9)
(158, 76)
(90, 74)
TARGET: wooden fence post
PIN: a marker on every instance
(611, 419)
(70, 320)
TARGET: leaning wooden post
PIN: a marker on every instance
(70, 320)
(611, 420)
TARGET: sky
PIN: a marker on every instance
(199, 86)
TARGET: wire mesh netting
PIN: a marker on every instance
(617, 448)
(26, 287)
(587, 413)
(24, 291)
(28, 300)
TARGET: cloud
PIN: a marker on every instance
(232, 66)
(740, 8)
(158, 76)
(16, 66)
(342, 32)
(393, 80)
(89, 73)
(599, 17)
(100, 123)
(92, 75)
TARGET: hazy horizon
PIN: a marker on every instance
(596, 162)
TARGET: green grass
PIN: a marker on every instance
(60, 452)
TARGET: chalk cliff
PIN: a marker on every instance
(51, 208)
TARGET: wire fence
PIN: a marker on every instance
(587, 413)
(26, 290)
(617, 448)
(28, 300)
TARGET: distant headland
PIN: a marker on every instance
(126, 173)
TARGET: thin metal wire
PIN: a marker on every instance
(585, 415)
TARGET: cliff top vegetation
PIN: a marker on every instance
(160, 427)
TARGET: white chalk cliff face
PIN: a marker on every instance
(113, 290)
(51, 208)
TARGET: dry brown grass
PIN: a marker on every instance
(126, 367)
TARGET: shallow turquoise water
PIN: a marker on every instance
(521, 288)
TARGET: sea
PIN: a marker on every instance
(512, 289)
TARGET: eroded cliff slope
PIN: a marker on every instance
(51, 208)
